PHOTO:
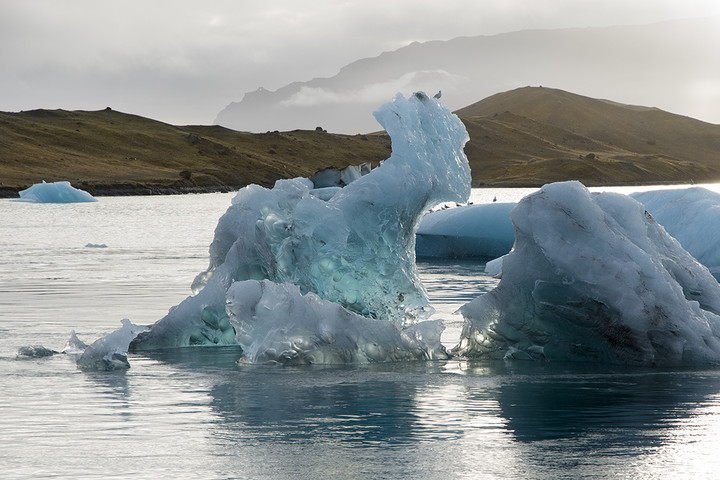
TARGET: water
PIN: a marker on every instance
(195, 413)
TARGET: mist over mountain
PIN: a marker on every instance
(670, 65)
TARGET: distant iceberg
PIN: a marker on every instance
(692, 216)
(468, 231)
(348, 251)
(55, 192)
(593, 277)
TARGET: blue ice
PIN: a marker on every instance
(54, 192)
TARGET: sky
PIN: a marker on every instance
(182, 61)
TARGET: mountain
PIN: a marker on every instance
(671, 65)
(523, 137)
(546, 135)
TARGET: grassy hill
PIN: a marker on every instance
(524, 137)
(108, 152)
(534, 135)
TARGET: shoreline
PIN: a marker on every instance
(150, 189)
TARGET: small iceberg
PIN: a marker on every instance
(469, 231)
(107, 353)
(54, 192)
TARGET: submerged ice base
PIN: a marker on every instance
(593, 277)
(352, 247)
(55, 192)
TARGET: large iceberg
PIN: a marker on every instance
(353, 246)
(468, 231)
(593, 277)
(692, 216)
(54, 192)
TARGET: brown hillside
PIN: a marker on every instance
(535, 135)
(524, 137)
(108, 152)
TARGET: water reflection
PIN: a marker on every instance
(465, 418)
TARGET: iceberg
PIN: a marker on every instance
(593, 277)
(55, 192)
(692, 216)
(349, 251)
(467, 231)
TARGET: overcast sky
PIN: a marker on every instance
(182, 61)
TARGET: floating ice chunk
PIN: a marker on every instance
(494, 267)
(95, 245)
(55, 192)
(110, 351)
(354, 246)
(593, 277)
(74, 346)
(482, 230)
(35, 351)
(692, 216)
(275, 323)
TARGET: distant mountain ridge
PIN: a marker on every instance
(669, 65)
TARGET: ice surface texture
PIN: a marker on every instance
(593, 277)
(275, 323)
(56, 192)
(692, 216)
(476, 231)
(354, 246)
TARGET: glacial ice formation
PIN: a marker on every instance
(353, 246)
(109, 352)
(692, 216)
(55, 192)
(468, 231)
(275, 323)
(593, 277)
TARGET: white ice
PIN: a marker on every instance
(108, 352)
(352, 246)
(275, 323)
(55, 192)
(692, 216)
(593, 277)
(477, 231)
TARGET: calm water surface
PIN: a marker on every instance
(194, 413)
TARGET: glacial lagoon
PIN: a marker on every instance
(194, 412)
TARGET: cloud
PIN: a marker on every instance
(377, 92)
(153, 58)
